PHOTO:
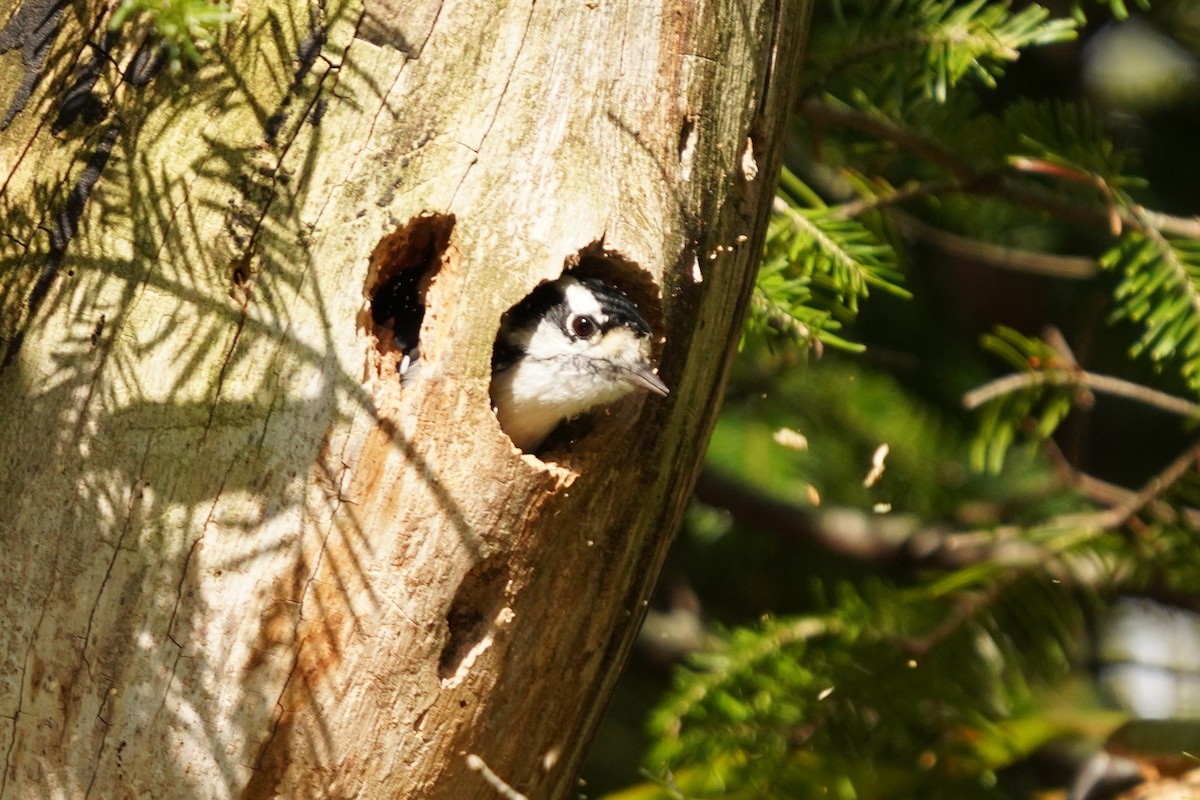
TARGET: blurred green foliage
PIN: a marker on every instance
(916, 621)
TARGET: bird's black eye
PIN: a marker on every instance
(583, 326)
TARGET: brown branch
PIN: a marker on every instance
(994, 255)
(900, 542)
(1104, 384)
(865, 205)
(1040, 166)
(1112, 495)
(1098, 491)
(1150, 492)
(892, 540)
(1155, 487)
(881, 129)
(992, 183)
(1183, 227)
(967, 607)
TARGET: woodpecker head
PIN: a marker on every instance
(572, 344)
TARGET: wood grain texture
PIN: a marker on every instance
(241, 559)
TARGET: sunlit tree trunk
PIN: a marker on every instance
(237, 557)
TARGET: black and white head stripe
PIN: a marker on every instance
(614, 306)
(564, 303)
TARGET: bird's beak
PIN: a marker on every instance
(642, 377)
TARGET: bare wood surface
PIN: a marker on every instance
(239, 559)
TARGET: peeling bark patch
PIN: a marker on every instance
(97, 331)
(755, 146)
(33, 28)
(498, 784)
(273, 124)
(687, 146)
(79, 100)
(145, 64)
(64, 230)
(402, 266)
(68, 218)
(306, 55)
(477, 613)
(749, 164)
(318, 112)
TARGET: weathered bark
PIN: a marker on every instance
(239, 559)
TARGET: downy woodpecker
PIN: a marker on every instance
(572, 344)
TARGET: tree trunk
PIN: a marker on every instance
(240, 559)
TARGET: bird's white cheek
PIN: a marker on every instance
(621, 346)
(547, 342)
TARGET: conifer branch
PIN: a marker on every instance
(966, 610)
(891, 541)
(992, 183)
(1105, 384)
(995, 255)
(1109, 494)
(1154, 487)
(824, 113)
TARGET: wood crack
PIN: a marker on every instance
(135, 495)
(225, 364)
(17, 713)
(499, 104)
(99, 755)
